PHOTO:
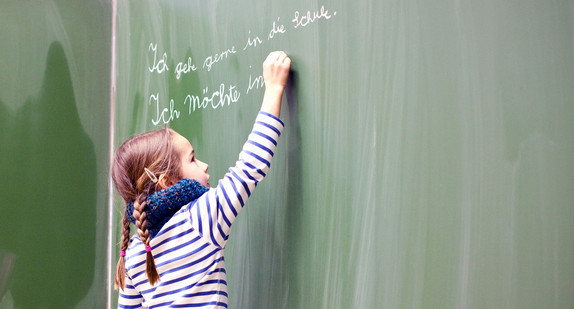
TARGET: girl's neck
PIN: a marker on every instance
(162, 205)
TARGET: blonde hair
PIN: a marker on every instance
(154, 151)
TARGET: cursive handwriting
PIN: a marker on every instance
(252, 42)
(184, 68)
(158, 66)
(224, 94)
(211, 60)
(302, 20)
(216, 99)
(166, 115)
(276, 29)
(256, 83)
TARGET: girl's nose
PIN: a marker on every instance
(205, 166)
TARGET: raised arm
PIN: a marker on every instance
(275, 73)
(214, 212)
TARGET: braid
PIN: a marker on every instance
(141, 223)
(121, 267)
(152, 150)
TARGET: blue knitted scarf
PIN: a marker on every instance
(162, 205)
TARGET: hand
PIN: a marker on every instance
(276, 70)
(275, 74)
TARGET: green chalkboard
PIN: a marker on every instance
(427, 160)
(54, 153)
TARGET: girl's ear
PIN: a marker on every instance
(163, 182)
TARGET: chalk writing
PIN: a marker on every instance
(211, 60)
(224, 94)
(166, 115)
(255, 83)
(252, 42)
(184, 68)
(302, 20)
(216, 99)
(158, 66)
(275, 30)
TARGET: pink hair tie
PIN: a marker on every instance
(147, 249)
(122, 253)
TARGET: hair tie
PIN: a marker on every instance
(122, 253)
(150, 175)
(147, 249)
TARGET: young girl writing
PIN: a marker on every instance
(175, 260)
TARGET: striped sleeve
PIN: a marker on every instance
(214, 213)
(129, 297)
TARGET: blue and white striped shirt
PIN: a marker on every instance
(188, 250)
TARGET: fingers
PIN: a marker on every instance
(281, 57)
(278, 57)
(276, 69)
(277, 60)
(284, 59)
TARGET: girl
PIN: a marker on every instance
(176, 257)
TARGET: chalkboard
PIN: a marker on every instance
(427, 160)
(54, 153)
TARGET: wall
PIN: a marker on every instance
(427, 159)
(54, 150)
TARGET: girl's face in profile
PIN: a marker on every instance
(191, 167)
